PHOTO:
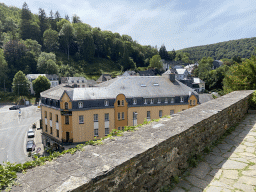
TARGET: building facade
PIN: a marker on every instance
(77, 115)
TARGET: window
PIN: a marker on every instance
(77, 81)
(172, 100)
(183, 109)
(66, 119)
(160, 113)
(171, 112)
(45, 128)
(122, 128)
(166, 100)
(152, 101)
(81, 119)
(122, 102)
(118, 128)
(83, 86)
(96, 132)
(158, 100)
(118, 116)
(95, 117)
(145, 101)
(57, 118)
(45, 114)
(57, 133)
(106, 131)
(122, 115)
(82, 81)
(106, 116)
(51, 130)
(194, 102)
(135, 115)
(106, 102)
(66, 105)
(80, 104)
(148, 114)
(50, 116)
(134, 101)
(118, 102)
(190, 102)
(181, 99)
(78, 86)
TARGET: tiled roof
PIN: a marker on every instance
(133, 86)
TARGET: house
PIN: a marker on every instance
(216, 64)
(76, 115)
(54, 80)
(149, 72)
(200, 83)
(178, 67)
(166, 64)
(104, 77)
(129, 73)
(78, 82)
(181, 74)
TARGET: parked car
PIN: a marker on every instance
(31, 133)
(31, 145)
(14, 107)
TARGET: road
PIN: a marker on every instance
(13, 132)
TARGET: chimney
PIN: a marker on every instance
(172, 77)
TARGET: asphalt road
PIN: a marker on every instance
(13, 132)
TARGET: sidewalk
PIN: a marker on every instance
(231, 166)
(38, 138)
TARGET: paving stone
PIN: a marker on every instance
(239, 159)
(247, 154)
(230, 164)
(251, 173)
(249, 144)
(224, 146)
(247, 180)
(227, 154)
(230, 174)
(226, 190)
(214, 189)
(229, 182)
(250, 149)
(177, 189)
(216, 173)
(213, 159)
(208, 178)
(220, 184)
(250, 139)
(247, 188)
(252, 133)
(184, 184)
(197, 182)
(234, 155)
(202, 170)
(195, 189)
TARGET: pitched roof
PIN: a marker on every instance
(56, 92)
(104, 77)
(181, 71)
(198, 80)
(149, 72)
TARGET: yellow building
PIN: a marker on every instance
(77, 115)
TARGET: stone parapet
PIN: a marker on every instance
(143, 160)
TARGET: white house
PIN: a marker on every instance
(54, 80)
(199, 82)
(181, 74)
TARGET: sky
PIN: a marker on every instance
(177, 24)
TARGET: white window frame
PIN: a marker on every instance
(166, 100)
(122, 102)
(134, 101)
(181, 99)
(158, 100)
(160, 113)
(106, 103)
(96, 132)
(95, 118)
(172, 100)
(152, 101)
(118, 116)
(81, 119)
(148, 117)
(194, 102)
(107, 115)
(123, 115)
(145, 101)
(80, 104)
(106, 131)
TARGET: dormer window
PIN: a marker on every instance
(181, 99)
(80, 104)
(145, 101)
(194, 102)
(172, 100)
(152, 101)
(66, 105)
(118, 102)
(134, 101)
(122, 102)
(158, 100)
(166, 100)
(106, 103)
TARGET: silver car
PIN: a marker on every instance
(31, 133)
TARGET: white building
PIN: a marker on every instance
(201, 84)
(54, 80)
(181, 74)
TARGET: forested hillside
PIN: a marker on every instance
(48, 43)
(228, 49)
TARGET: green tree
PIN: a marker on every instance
(127, 62)
(76, 19)
(51, 38)
(43, 23)
(33, 46)
(47, 63)
(155, 62)
(40, 84)
(3, 68)
(67, 35)
(20, 84)
(163, 53)
(205, 65)
(172, 55)
(61, 23)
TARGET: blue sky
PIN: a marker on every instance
(175, 23)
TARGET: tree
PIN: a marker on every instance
(155, 62)
(40, 84)
(43, 23)
(163, 53)
(3, 68)
(76, 19)
(57, 16)
(67, 34)
(33, 46)
(47, 63)
(172, 55)
(51, 40)
(67, 17)
(127, 62)
(205, 65)
(241, 76)
(20, 84)
(61, 23)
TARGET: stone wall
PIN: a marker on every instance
(146, 159)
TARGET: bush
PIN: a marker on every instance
(252, 101)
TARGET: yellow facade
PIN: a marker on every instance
(121, 111)
(192, 101)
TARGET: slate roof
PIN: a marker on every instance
(129, 73)
(132, 86)
(198, 80)
(181, 71)
(104, 77)
(149, 72)
(56, 92)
